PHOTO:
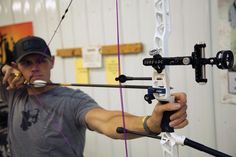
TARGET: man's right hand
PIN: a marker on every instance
(13, 78)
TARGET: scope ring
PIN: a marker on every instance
(227, 59)
(219, 58)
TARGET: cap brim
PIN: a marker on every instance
(34, 52)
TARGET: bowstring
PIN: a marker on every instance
(119, 72)
(37, 98)
(59, 24)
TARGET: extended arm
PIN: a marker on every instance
(106, 122)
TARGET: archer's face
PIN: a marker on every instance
(36, 67)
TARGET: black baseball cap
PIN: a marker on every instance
(30, 45)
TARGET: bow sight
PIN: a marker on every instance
(223, 60)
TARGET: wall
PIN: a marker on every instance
(224, 111)
(93, 22)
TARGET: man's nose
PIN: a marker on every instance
(35, 66)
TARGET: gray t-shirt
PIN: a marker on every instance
(51, 124)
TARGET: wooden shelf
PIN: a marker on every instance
(129, 48)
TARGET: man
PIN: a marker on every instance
(51, 120)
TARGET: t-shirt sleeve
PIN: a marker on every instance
(84, 104)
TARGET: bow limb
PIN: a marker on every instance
(161, 79)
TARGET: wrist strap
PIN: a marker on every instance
(146, 128)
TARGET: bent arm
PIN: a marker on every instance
(3, 91)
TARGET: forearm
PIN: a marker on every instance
(131, 122)
(3, 91)
(106, 122)
(138, 124)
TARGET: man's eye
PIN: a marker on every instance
(42, 60)
(26, 63)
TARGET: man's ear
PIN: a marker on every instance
(52, 59)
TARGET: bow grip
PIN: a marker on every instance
(165, 127)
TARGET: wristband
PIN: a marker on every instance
(146, 128)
